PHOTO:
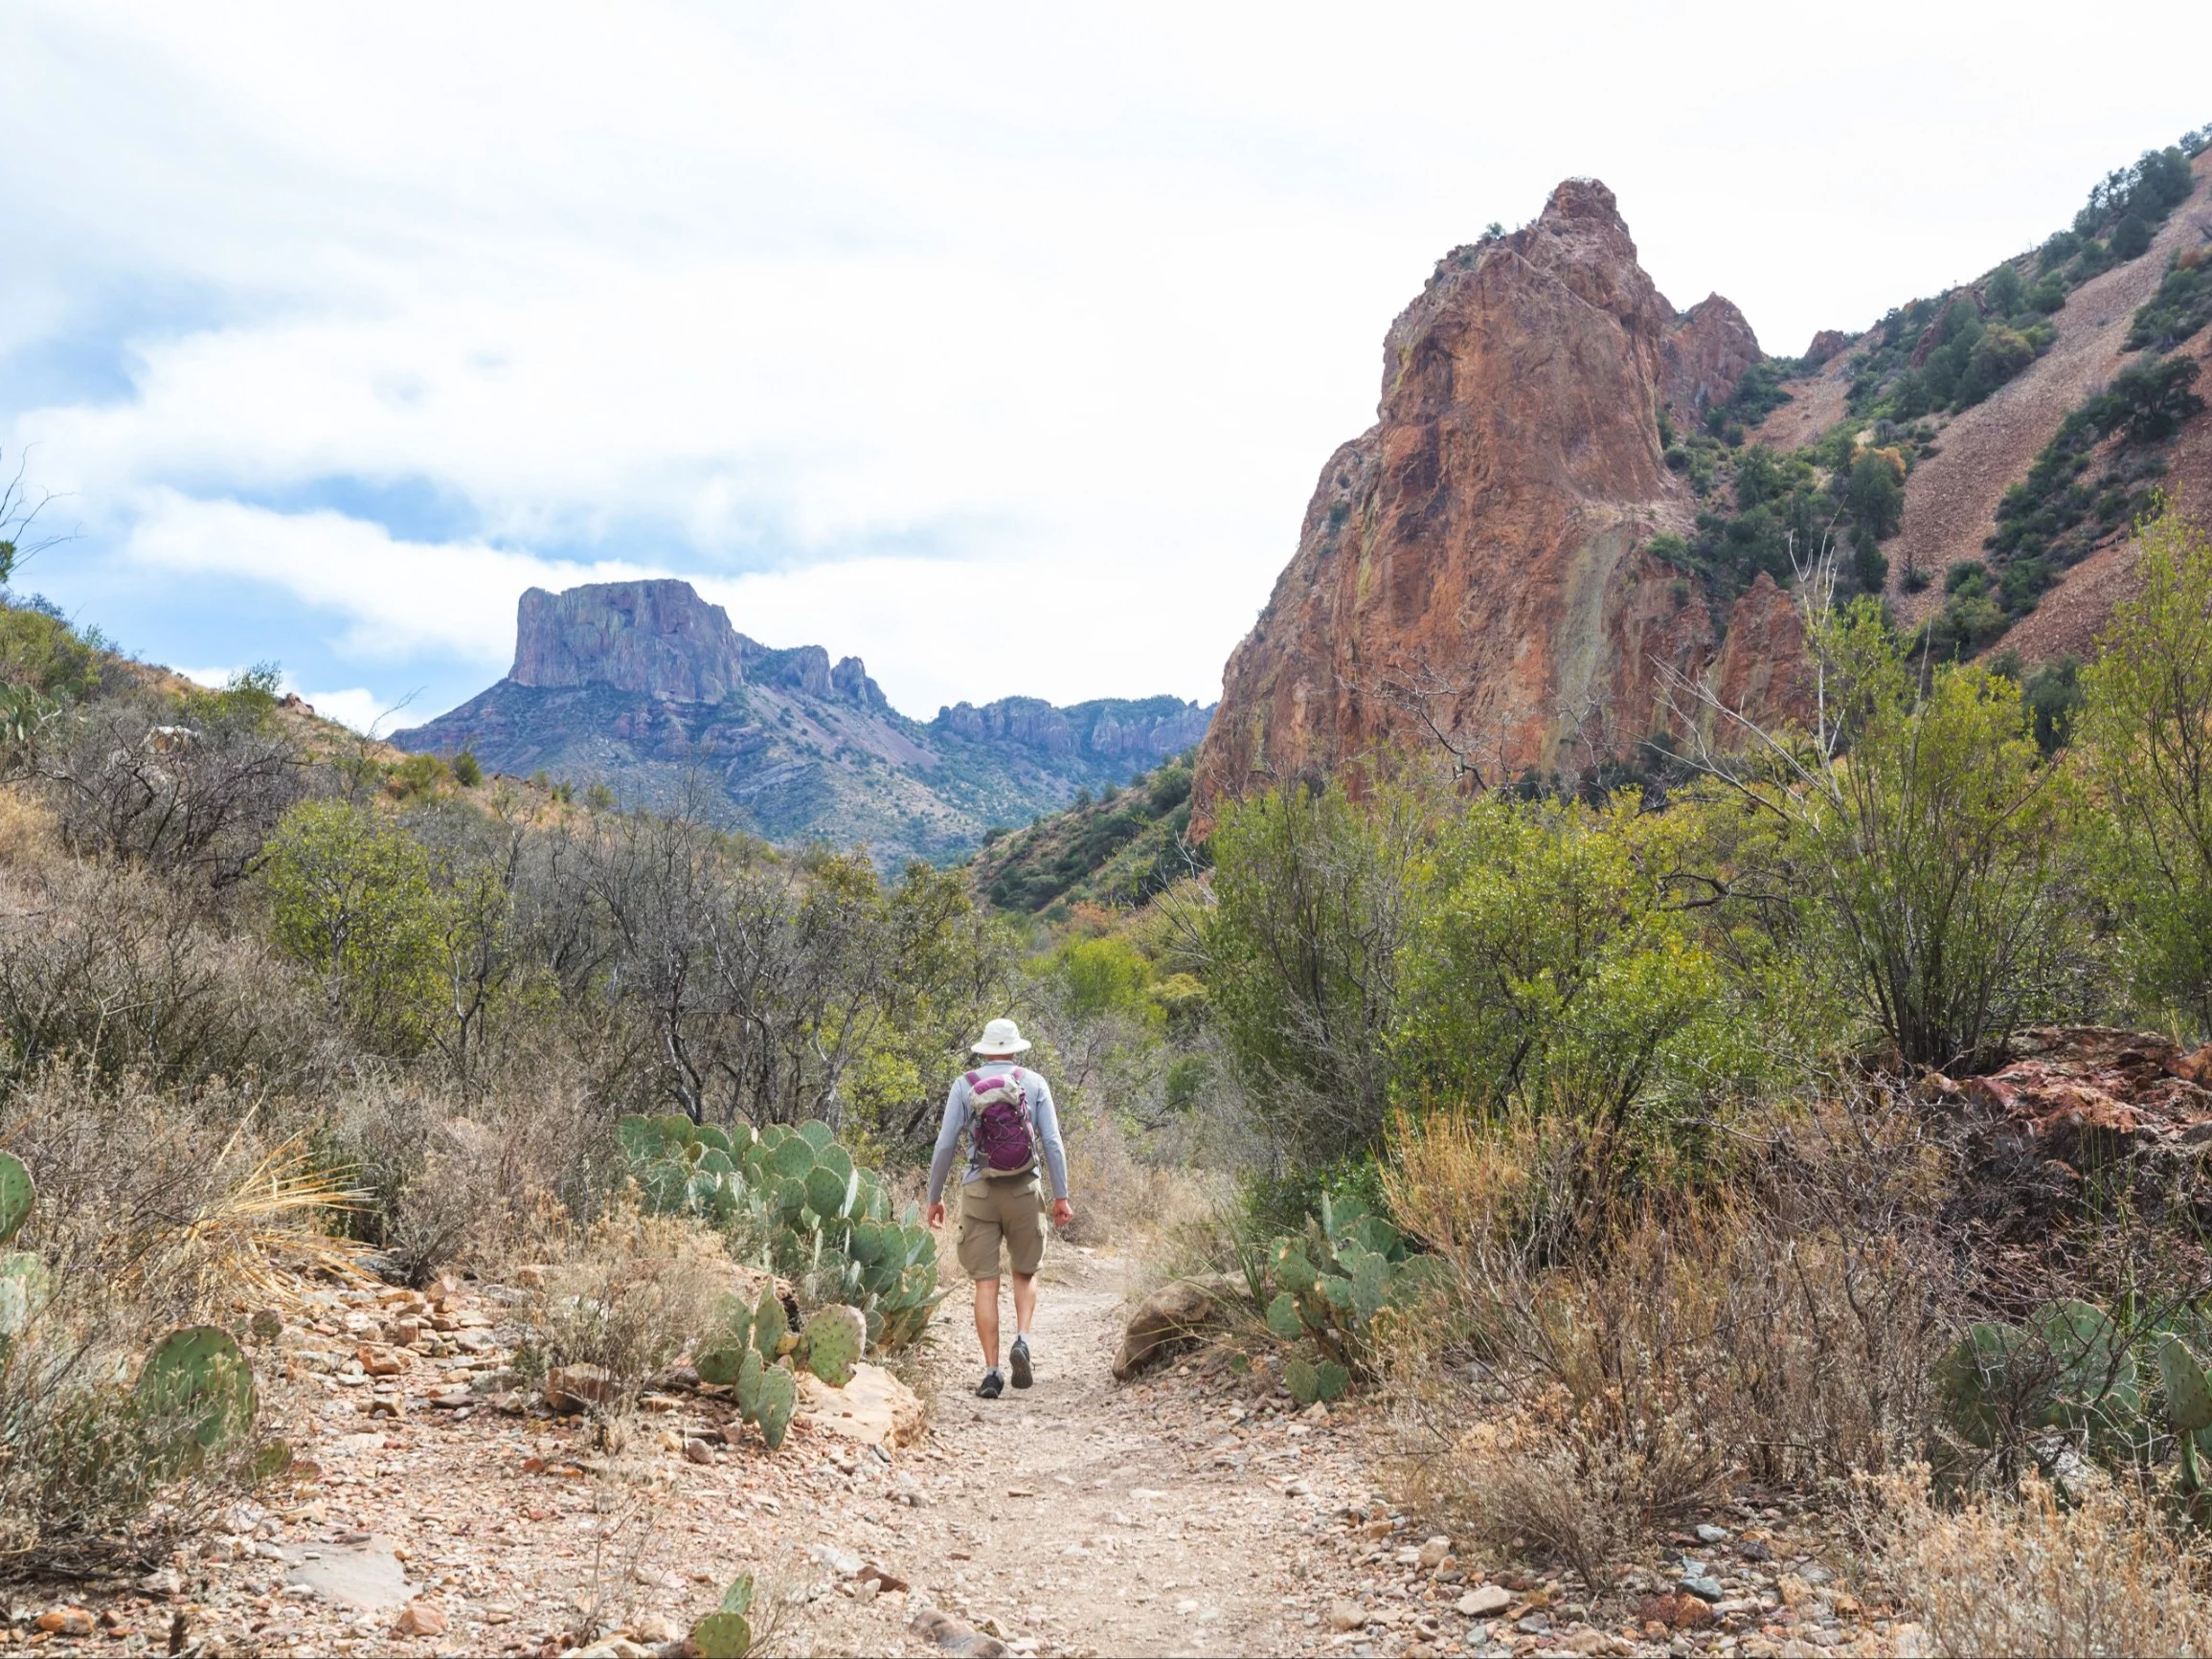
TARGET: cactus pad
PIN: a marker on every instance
(722, 1636)
(1283, 1317)
(747, 1386)
(1970, 1380)
(792, 1159)
(825, 1190)
(199, 1374)
(836, 1337)
(16, 1194)
(817, 1134)
(1291, 1270)
(769, 1325)
(779, 1399)
(2188, 1393)
(1331, 1379)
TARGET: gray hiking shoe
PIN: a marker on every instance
(1023, 1373)
(993, 1384)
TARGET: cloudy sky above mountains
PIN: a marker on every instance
(999, 347)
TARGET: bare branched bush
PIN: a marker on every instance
(180, 797)
(444, 1184)
(1634, 1370)
(102, 964)
(2108, 1571)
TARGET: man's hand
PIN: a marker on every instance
(1062, 1212)
(936, 1216)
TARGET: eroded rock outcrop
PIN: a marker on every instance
(658, 637)
(1475, 565)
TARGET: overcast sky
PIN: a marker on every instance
(1000, 346)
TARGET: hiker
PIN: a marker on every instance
(1007, 1111)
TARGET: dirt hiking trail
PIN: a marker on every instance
(1082, 1516)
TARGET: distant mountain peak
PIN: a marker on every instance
(647, 686)
(659, 639)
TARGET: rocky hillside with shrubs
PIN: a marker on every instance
(1557, 552)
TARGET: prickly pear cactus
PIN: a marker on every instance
(779, 1399)
(198, 1375)
(730, 1340)
(836, 1337)
(722, 1636)
(747, 1386)
(16, 1196)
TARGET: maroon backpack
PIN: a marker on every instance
(1004, 1133)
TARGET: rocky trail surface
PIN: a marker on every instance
(440, 1510)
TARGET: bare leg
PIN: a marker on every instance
(987, 1316)
(1025, 1307)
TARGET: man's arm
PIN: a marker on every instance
(948, 1137)
(1047, 1122)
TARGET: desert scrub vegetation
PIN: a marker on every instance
(1697, 1108)
(278, 1005)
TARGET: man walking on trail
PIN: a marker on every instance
(1006, 1112)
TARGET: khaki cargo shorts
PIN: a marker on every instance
(1010, 1208)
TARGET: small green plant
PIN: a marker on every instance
(727, 1632)
(1329, 1283)
(2082, 1375)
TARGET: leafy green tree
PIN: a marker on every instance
(1105, 976)
(350, 895)
(1313, 899)
(2148, 732)
(1552, 974)
(1877, 492)
(1933, 855)
(2005, 290)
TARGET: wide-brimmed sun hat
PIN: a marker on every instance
(1001, 1037)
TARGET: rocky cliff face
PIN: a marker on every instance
(1473, 565)
(656, 638)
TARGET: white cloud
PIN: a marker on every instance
(877, 322)
(400, 597)
(356, 706)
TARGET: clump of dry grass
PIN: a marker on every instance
(1580, 1482)
(2108, 1571)
(635, 1292)
(446, 1184)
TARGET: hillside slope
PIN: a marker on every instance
(645, 688)
(1952, 493)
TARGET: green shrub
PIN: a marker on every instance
(2149, 703)
(2177, 310)
(2130, 238)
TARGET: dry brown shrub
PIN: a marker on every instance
(475, 1184)
(105, 965)
(1580, 1483)
(1637, 1363)
(2110, 1572)
(635, 1292)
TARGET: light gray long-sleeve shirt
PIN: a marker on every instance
(960, 1115)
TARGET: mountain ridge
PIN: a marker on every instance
(647, 689)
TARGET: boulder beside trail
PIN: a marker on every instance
(1167, 1320)
(875, 1408)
